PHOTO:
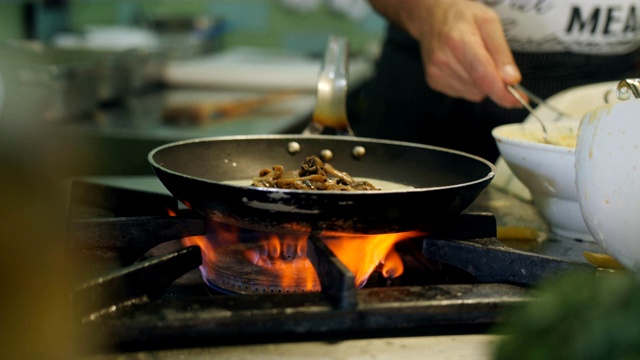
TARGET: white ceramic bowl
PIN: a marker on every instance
(608, 178)
(548, 173)
(544, 173)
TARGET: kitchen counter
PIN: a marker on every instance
(441, 347)
(116, 138)
(223, 113)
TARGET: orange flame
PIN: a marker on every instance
(363, 254)
(285, 254)
(224, 235)
(205, 246)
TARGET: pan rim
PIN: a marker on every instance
(488, 177)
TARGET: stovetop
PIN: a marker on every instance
(144, 292)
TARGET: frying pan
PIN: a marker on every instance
(213, 176)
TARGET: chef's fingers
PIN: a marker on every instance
(483, 74)
(447, 65)
(444, 73)
(461, 53)
(498, 48)
(455, 80)
(475, 73)
(454, 86)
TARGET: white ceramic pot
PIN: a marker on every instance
(608, 178)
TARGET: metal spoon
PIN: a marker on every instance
(516, 94)
(540, 101)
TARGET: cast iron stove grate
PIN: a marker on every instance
(143, 289)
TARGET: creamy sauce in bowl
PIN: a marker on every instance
(564, 136)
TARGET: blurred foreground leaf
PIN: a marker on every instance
(576, 316)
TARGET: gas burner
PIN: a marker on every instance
(142, 293)
(243, 261)
(247, 268)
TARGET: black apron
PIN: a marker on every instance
(397, 104)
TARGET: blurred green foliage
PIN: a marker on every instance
(576, 316)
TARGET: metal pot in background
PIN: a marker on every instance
(112, 70)
(40, 88)
(50, 83)
(183, 37)
(119, 72)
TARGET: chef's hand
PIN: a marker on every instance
(464, 49)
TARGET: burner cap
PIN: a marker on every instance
(248, 269)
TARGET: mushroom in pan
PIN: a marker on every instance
(313, 174)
